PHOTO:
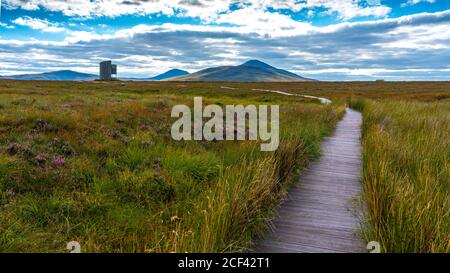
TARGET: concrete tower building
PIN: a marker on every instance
(107, 70)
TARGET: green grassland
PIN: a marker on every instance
(95, 163)
(406, 160)
(406, 174)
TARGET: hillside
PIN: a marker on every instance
(251, 71)
(63, 75)
(170, 74)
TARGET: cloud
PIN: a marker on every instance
(38, 24)
(409, 47)
(264, 22)
(415, 2)
(207, 10)
(6, 26)
(347, 9)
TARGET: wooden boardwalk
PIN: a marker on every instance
(321, 213)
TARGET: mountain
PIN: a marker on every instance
(170, 74)
(251, 71)
(164, 76)
(63, 75)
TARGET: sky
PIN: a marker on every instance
(335, 40)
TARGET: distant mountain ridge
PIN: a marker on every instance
(170, 74)
(166, 75)
(69, 75)
(251, 71)
(62, 75)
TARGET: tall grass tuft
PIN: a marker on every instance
(237, 208)
(407, 174)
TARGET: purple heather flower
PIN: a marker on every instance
(59, 161)
(10, 193)
(40, 159)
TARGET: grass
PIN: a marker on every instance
(406, 174)
(125, 186)
(95, 163)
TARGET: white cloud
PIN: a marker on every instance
(415, 2)
(207, 10)
(370, 72)
(38, 24)
(347, 9)
(264, 22)
(420, 37)
(6, 26)
(416, 45)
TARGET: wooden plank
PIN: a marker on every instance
(319, 214)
